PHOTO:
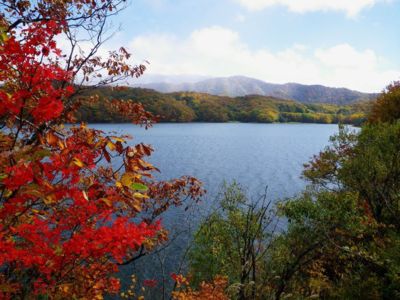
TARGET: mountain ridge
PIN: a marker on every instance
(238, 86)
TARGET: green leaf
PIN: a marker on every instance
(58, 251)
(40, 154)
(3, 35)
(139, 187)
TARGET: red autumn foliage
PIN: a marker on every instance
(68, 217)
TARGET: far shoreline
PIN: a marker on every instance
(204, 122)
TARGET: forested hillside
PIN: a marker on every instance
(198, 107)
(235, 86)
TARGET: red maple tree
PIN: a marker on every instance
(68, 218)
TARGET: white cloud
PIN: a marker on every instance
(345, 56)
(350, 7)
(217, 51)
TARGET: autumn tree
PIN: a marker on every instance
(387, 106)
(343, 232)
(75, 202)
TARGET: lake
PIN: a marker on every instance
(255, 155)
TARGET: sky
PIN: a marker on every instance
(339, 43)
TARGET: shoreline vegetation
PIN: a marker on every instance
(187, 107)
(342, 236)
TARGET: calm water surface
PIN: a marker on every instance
(256, 155)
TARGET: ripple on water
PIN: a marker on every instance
(255, 155)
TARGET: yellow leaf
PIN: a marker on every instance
(118, 139)
(107, 201)
(61, 145)
(33, 190)
(137, 206)
(111, 145)
(128, 178)
(118, 184)
(77, 162)
(140, 196)
(49, 199)
(65, 288)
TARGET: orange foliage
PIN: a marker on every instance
(209, 291)
(387, 106)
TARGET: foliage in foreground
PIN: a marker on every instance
(215, 290)
(68, 216)
(233, 241)
(342, 237)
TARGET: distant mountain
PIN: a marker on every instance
(237, 86)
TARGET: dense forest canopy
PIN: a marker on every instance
(199, 107)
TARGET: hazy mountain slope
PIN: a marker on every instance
(320, 93)
(240, 86)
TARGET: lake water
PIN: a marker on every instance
(255, 155)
